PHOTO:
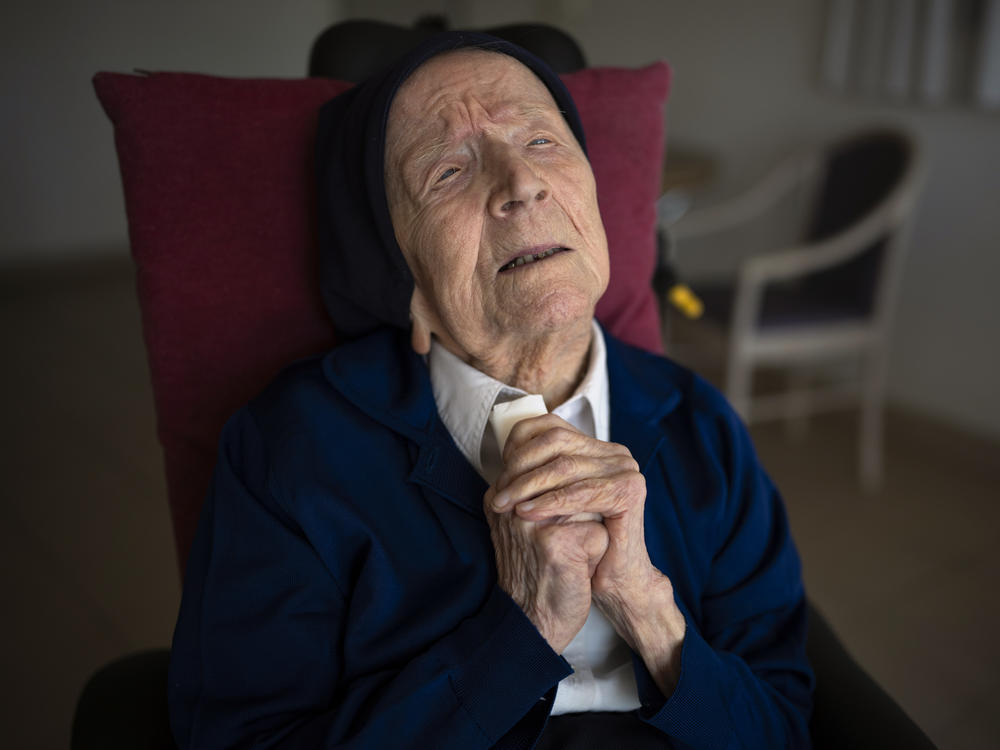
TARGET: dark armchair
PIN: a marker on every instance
(125, 704)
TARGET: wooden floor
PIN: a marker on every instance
(907, 576)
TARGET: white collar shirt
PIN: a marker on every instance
(602, 679)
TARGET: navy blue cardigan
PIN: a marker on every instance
(342, 592)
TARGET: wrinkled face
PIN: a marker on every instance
(493, 203)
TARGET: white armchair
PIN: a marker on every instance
(828, 298)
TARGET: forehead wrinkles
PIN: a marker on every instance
(463, 119)
(451, 96)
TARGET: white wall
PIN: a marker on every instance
(744, 88)
(60, 194)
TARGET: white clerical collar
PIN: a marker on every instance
(465, 396)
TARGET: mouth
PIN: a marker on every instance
(531, 257)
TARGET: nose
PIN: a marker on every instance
(518, 184)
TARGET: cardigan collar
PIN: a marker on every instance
(382, 376)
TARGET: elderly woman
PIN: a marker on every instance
(373, 569)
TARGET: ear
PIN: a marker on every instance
(423, 319)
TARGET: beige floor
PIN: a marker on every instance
(908, 576)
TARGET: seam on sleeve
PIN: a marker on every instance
(465, 709)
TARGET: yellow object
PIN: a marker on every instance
(685, 300)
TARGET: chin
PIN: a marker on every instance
(557, 312)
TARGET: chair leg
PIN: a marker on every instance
(871, 438)
(798, 404)
(739, 379)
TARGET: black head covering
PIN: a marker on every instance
(363, 276)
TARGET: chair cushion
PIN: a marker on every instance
(218, 182)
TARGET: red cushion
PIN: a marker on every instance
(622, 113)
(217, 174)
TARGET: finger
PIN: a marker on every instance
(561, 471)
(489, 506)
(611, 497)
(575, 518)
(542, 446)
(526, 429)
(488, 497)
(570, 546)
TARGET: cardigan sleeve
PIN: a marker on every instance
(745, 681)
(257, 653)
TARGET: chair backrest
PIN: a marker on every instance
(353, 50)
(218, 182)
(860, 173)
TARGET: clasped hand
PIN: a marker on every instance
(553, 567)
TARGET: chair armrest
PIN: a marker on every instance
(817, 256)
(124, 706)
(850, 709)
(761, 196)
(808, 258)
(755, 273)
